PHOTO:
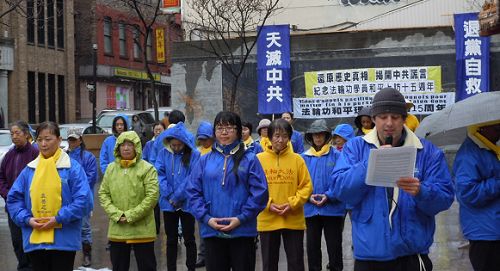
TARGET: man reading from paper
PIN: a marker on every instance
(392, 228)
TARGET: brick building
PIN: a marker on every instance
(37, 81)
(121, 74)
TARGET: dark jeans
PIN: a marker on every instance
(485, 255)
(171, 222)
(406, 263)
(52, 260)
(236, 254)
(293, 241)
(16, 235)
(332, 226)
(157, 218)
(144, 256)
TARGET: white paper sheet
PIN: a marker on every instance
(387, 165)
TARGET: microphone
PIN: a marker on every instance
(388, 140)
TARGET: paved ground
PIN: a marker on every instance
(445, 253)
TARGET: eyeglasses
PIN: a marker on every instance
(227, 129)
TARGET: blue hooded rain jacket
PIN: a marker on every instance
(215, 191)
(321, 170)
(173, 176)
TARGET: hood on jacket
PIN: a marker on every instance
(365, 111)
(205, 130)
(318, 126)
(127, 121)
(179, 132)
(132, 137)
(344, 130)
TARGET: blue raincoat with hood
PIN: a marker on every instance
(106, 155)
(158, 144)
(215, 190)
(173, 175)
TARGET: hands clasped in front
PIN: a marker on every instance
(224, 224)
(43, 223)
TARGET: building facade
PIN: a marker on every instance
(122, 81)
(395, 34)
(37, 81)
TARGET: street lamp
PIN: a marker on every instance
(94, 79)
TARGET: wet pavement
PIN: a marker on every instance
(447, 252)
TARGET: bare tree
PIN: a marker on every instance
(230, 29)
(148, 12)
(10, 6)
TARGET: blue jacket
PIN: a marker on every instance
(173, 176)
(297, 142)
(158, 144)
(107, 155)
(88, 162)
(477, 177)
(413, 223)
(255, 147)
(76, 196)
(215, 191)
(146, 151)
(321, 170)
(206, 130)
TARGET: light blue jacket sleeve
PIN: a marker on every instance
(330, 191)
(436, 189)
(297, 142)
(165, 188)
(474, 187)
(104, 154)
(349, 175)
(257, 188)
(180, 193)
(91, 169)
(81, 199)
(16, 199)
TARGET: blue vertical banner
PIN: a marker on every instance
(273, 69)
(473, 57)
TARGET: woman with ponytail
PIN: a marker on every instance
(227, 191)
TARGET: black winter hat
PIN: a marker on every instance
(388, 100)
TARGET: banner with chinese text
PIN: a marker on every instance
(273, 70)
(321, 84)
(473, 57)
(343, 106)
(160, 45)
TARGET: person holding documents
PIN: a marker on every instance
(392, 227)
(477, 178)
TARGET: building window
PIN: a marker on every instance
(108, 36)
(51, 39)
(123, 39)
(40, 12)
(31, 97)
(30, 17)
(51, 86)
(137, 40)
(60, 98)
(60, 23)
(41, 98)
(111, 97)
